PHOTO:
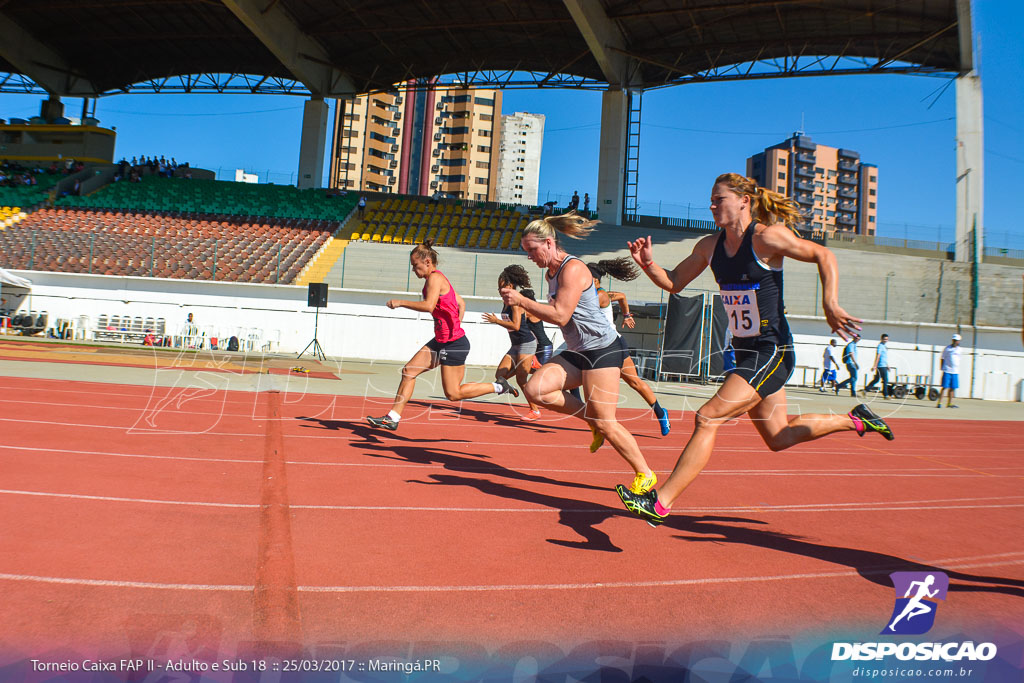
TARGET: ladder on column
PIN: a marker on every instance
(631, 169)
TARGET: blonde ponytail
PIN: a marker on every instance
(571, 224)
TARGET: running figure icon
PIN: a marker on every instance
(917, 601)
(916, 607)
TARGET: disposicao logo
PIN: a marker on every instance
(917, 596)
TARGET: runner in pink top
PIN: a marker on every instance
(449, 347)
(447, 314)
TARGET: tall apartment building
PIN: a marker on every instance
(522, 139)
(418, 139)
(835, 190)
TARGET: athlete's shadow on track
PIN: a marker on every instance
(469, 463)
(871, 565)
(580, 516)
(583, 518)
(371, 434)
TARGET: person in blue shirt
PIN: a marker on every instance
(881, 368)
(850, 361)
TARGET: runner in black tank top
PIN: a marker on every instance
(519, 358)
(746, 259)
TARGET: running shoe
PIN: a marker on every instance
(872, 422)
(598, 439)
(532, 415)
(641, 504)
(506, 388)
(642, 483)
(662, 417)
(383, 422)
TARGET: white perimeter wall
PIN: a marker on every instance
(356, 324)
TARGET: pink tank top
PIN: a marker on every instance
(447, 326)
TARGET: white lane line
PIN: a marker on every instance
(1005, 559)
(860, 472)
(810, 507)
(124, 584)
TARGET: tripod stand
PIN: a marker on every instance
(318, 352)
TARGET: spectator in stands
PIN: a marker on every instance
(881, 367)
(586, 202)
(574, 202)
(549, 208)
(950, 371)
(362, 205)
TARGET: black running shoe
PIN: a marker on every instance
(641, 504)
(506, 388)
(383, 422)
(872, 422)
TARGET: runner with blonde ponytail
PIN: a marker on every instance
(593, 356)
(758, 230)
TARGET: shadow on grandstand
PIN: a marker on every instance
(582, 517)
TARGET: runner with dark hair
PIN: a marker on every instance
(519, 358)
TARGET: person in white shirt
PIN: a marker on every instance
(831, 361)
(950, 372)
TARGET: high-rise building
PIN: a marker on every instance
(835, 190)
(522, 138)
(419, 139)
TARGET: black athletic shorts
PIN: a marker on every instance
(766, 366)
(451, 353)
(611, 356)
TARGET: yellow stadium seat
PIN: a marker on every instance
(421, 235)
(495, 239)
(356, 236)
(463, 237)
(433, 234)
(506, 239)
(408, 234)
(482, 237)
(453, 235)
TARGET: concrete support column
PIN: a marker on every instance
(970, 169)
(611, 179)
(314, 139)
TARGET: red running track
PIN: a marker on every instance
(212, 522)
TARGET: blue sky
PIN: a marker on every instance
(690, 134)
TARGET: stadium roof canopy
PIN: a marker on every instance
(87, 48)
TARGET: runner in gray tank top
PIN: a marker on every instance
(593, 357)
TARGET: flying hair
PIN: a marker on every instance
(621, 268)
(571, 224)
(766, 207)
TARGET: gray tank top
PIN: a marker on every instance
(588, 328)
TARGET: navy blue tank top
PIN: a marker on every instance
(751, 293)
(536, 327)
(524, 334)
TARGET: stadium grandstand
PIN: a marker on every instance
(176, 228)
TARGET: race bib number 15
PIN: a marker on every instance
(742, 312)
